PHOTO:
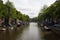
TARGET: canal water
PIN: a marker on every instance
(28, 32)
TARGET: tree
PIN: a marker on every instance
(8, 11)
(1, 8)
(52, 12)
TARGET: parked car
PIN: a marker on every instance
(56, 28)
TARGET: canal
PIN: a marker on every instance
(28, 32)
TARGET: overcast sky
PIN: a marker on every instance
(30, 7)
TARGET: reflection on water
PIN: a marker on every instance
(31, 32)
(51, 36)
(11, 35)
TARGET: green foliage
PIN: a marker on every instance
(8, 10)
(52, 12)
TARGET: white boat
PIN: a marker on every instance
(3, 29)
